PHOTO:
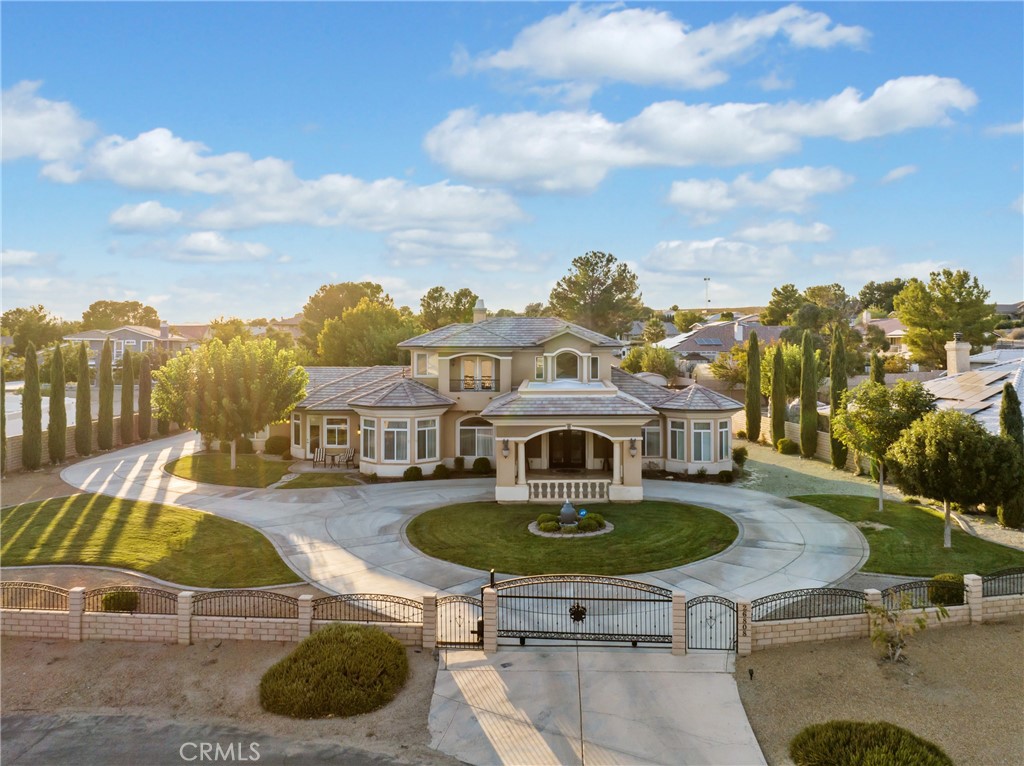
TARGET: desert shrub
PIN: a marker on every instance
(788, 447)
(950, 592)
(120, 601)
(546, 517)
(441, 471)
(549, 526)
(277, 445)
(741, 434)
(739, 456)
(341, 670)
(587, 524)
(244, 446)
(601, 523)
(725, 477)
(412, 473)
(482, 465)
(460, 463)
(859, 743)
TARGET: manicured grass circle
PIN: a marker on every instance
(648, 536)
(857, 743)
(215, 468)
(340, 670)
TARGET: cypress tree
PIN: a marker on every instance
(145, 399)
(1011, 425)
(127, 399)
(83, 404)
(31, 413)
(105, 427)
(837, 385)
(808, 398)
(877, 369)
(778, 397)
(57, 428)
(3, 421)
(753, 389)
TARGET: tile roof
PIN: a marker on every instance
(699, 398)
(149, 332)
(505, 332)
(566, 405)
(401, 393)
(979, 393)
(331, 388)
(720, 336)
(638, 388)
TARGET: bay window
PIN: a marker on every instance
(677, 439)
(369, 439)
(724, 439)
(702, 442)
(426, 439)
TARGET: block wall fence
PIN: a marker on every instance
(823, 449)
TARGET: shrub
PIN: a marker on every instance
(546, 517)
(373, 478)
(739, 456)
(341, 670)
(601, 523)
(460, 463)
(482, 466)
(587, 524)
(950, 592)
(912, 501)
(441, 471)
(277, 445)
(413, 473)
(549, 526)
(846, 743)
(244, 446)
(725, 477)
(741, 434)
(787, 447)
(702, 474)
(120, 601)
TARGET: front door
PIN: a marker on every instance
(568, 449)
(314, 439)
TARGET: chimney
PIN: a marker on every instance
(865, 318)
(165, 330)
(479, 311)
(738, 332)
(958, 355)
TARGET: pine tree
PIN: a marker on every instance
(1011, 425)
(808, 398)
(837, 374)
(31, 413)
(127, 399)
(753, 389)
(877, 369)
(145, 400)
(778, 396)
(105, 428)
(57, 429)
(83, 404)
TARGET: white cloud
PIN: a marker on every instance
(575, 150)
(898, 174)
(782, 232)
(647, 47)
(717, 256)
(1018, 204)
(16, 258)
(145, 216)
(1008, 129)
(36, 127)
(785, 189)
(865, 264)
(480, 250)
(772, 81)
(214, 247)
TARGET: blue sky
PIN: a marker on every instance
(227, 159)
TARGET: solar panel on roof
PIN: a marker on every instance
(709, 342)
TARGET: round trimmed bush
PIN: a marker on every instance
(741, 434)
(546, 517)
(597, 517)
(482, 465)
(460, 463)
(725, 477)
(587, 524)
(277, 445)
(244, 446)
(441, 471)
(120, 601)
(948, 589)
(412, 473)
(549, 526)
(860, 743)
(341, 670)
(739, 456)
(787, 447)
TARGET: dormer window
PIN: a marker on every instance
(567, 366)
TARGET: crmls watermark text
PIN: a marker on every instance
(215, 751)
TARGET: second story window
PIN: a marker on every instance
(567, 366)
(474, 373)
(595, 368)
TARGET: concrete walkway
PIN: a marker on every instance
(576, 705)
(350, 539)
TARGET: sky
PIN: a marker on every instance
(228, 159)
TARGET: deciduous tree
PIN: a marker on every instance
(599, 293)
(684, 319)
(83, 404)
(785, 302)
(837, 386)
(330, 302)
(753, 389)
(109, 315)
(31, 413)
(368, 334)
(105, 424)
(439, 308)
(880, 295)
(731, 367)
(33, 324)
(57, 426)
(225, 329)
(654, 359)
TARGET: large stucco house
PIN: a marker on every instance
(540, 398)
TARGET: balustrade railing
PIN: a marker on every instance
(561, 490)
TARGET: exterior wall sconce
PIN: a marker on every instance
(632, 447)
(504, 448)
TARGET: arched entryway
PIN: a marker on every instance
(570, 450)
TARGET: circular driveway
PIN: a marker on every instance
(350, 539)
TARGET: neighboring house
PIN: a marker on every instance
(895, 333)
(995, 356)
(194, 333)
(707, 342)
(291, 325)
(540, 398)
(1012, 311)
(635, 334)
(134, 338)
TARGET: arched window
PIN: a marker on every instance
(567, 366)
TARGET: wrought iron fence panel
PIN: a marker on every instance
(807, 603)
(145, 601)
(584, 608)
(245, 603)
(1005, 582)
(33, 595)
(711, 623)
(923, 593)
(367, 607)
(460, 621)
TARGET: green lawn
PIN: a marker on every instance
(315, 480)
(648, 536)
(912, 546)
(175, 544)
(215, 468)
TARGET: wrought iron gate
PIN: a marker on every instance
(583, 608)
(460, 621)
(710, 623)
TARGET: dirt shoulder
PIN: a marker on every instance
(26, 486)
(960, 688)
(207, 682)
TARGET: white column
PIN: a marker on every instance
(521, 462)
(616, 462)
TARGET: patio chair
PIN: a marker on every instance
(320, 456)
(346, 458)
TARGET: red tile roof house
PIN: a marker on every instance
(540, 398)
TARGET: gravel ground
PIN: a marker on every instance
(211, 682)
(960, 688)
